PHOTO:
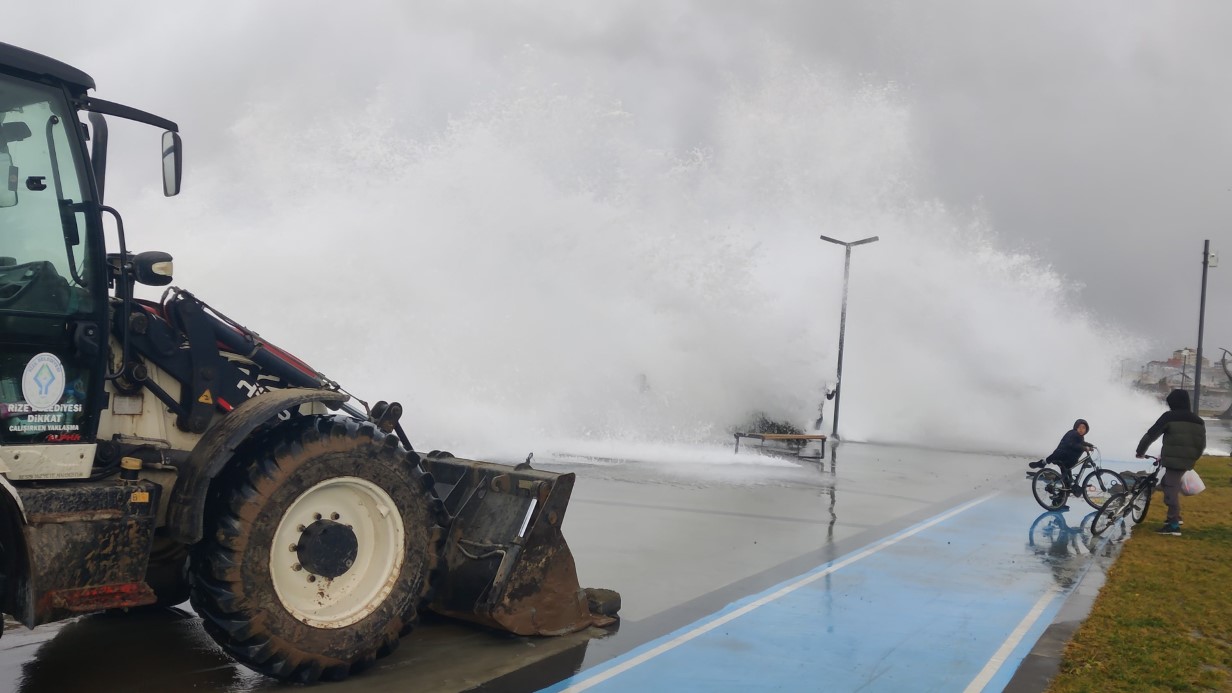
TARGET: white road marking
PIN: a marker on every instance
(1015, 637)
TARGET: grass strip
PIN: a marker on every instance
(1163, 619)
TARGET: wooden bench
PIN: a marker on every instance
(795, 440)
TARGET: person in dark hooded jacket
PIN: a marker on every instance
(1184, 435)
(1071, 447)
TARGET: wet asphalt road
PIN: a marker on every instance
(679, 537)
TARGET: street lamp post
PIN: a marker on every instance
(842, 326)
(1207, 261)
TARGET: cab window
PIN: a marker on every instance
(44, 259)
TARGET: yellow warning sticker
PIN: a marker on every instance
(139, 497)
(206, 398)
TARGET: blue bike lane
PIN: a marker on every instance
(952, 603)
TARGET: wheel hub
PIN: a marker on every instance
(327, 548)
(337, 552)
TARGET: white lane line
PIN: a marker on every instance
(1015, 637)
(704, 628)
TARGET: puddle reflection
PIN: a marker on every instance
(1066, 549)
(156, 650)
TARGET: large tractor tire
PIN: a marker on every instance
(320, 543)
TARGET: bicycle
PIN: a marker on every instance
(1053, 487)
(1134, 501)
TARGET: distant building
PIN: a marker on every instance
(1177, 372)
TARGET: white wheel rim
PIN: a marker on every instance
(347, 598)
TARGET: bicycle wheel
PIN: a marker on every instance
(1049, 489)
(1100, 484)
(1113, 510)
(1140, 503)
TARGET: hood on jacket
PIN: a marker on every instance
(1082, 422)
(1178, 400)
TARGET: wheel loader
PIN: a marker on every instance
(158, 451)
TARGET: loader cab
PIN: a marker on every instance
(53, 283)
(54, 269)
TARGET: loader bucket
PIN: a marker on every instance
(506, 562)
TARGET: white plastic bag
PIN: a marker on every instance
(1191, 483)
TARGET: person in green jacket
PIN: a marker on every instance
(1184, 435)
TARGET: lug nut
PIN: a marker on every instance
(334, 516)
(312, 578)
(293, 547)
(316, 516)
(296, 567)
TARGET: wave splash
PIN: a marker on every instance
(541, 273)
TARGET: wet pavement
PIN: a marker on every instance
(953, 602)
(688, 536)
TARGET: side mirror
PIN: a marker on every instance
(8, 191)
(152, 268)
(172, 163)
(98, 152)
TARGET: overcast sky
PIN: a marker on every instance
(1090, 137)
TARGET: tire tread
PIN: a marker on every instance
(230, 617)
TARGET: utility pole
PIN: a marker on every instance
(1206, 262)
(842, 326)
